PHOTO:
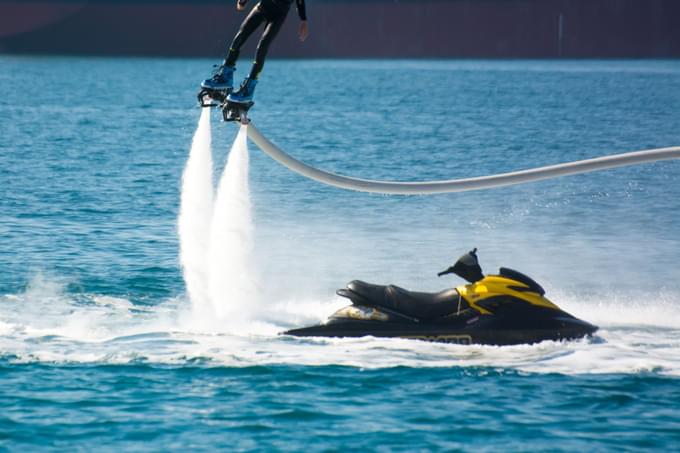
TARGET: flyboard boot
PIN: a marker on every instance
(245, 93)
(238, 103)
(215, 90)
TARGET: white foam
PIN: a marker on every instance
(612, 308)
(73, 329)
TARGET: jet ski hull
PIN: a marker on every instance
(486, 330)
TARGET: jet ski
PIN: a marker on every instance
(504, 309)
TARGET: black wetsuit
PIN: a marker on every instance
(270, 12)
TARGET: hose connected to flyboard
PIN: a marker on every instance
(464, 184)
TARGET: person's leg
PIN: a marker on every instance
(249, 25)
(270, 31)
(247, 90)
(223, 79)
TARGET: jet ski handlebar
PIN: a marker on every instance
(467, 267)
(444, 272)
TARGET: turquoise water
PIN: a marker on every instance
(99, 348)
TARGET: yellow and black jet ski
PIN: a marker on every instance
(504, 309)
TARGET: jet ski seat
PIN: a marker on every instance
(411, 303)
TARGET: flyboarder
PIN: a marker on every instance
(271, 13)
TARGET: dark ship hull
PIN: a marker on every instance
(351, 29)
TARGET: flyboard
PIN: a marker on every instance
(238, 112)
(231, 111)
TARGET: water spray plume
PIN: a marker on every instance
(195, 216)
(233, 286)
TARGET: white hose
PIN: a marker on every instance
(464, 184)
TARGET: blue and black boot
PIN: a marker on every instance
(222, 80)
(245, 93)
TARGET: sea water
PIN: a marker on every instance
(103, 344)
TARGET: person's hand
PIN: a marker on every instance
(303, 31)
(240, 5)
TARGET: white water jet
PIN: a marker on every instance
(233, 284)
(195, 216)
